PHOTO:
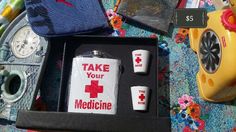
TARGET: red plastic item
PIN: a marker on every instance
(225, 20)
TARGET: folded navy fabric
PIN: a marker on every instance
(52, 18)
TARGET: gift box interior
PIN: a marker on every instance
(125, 119)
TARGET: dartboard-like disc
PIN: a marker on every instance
(210, 51)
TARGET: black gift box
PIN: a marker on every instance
(126, 119)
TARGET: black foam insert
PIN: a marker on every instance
(123, 51)
(126, 119)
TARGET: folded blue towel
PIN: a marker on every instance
(52, 18)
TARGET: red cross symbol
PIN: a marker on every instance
(138, 59)
(142, 97)
(94, 89)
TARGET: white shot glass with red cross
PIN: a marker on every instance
(140, 60)
(139, 96)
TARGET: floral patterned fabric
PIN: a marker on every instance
(178, 66)
(178, 93)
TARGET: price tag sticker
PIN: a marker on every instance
(191, 18)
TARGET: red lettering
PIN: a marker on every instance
(84, 105)
(92, 104)
(141, 91)
(106, 68)
(97, 76)
(139, 65)
(85, 65)
(103, 105)
(141, 102)
(224, 42)
(89, 104)
(96, 105)
(98, 67)
(80, 104)
(90, 68)
(109, 106)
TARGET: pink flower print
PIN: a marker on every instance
(209, 2)
(110, 14)
(201, 4)
(185, 101)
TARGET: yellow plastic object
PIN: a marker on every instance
(215, 47)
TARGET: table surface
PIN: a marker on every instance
(180, 79)
(177, 71)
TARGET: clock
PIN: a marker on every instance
(24, 42)
(23, 56)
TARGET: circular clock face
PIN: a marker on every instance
(24, 42)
